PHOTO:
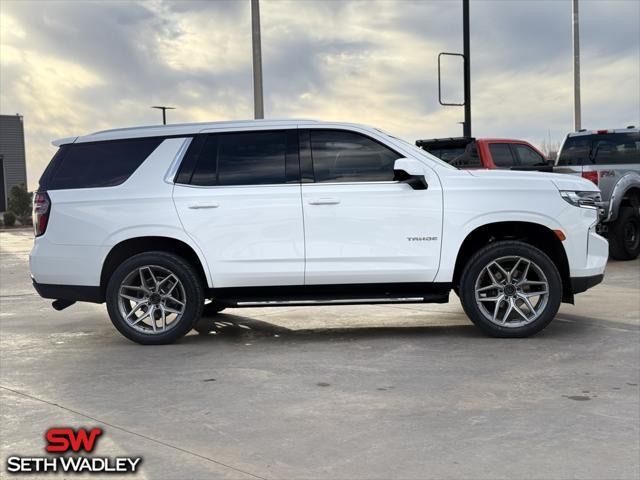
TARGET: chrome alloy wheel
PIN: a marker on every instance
(512, 291)
(151, 299)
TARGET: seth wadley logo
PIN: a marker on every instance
(64, 440)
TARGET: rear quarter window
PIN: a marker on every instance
(96, 164)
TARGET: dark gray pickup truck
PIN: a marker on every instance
(610, 159)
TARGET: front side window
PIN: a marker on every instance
(243, 158)
(341, 156)
(527, 155)
(501, 154)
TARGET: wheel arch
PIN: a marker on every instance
(540, 236)
(626, 192)
(135, 245)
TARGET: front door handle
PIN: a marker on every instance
(324, 201)
(201, 206)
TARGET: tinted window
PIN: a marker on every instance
(615, 148)
(447, 154)
(501, 154)
(206, 155)
(527, 155)
(255, 158)
(99, 164)
(575, 151)
(608, 148)
(340, 156)
(469, 158)
(243, 158)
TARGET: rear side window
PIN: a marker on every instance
(616, 148)
(601, 149)
(501, 154)
(96, 164)
(340, 156)
(243, 158)
(527, 155)
(255, 158)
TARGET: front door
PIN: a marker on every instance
(238, 197)
(361, 226)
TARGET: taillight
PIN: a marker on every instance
(593, 176)
(41, 209)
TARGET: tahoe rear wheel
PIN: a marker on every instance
(510, 289)
(154, 298)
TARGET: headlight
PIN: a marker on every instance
(582, 199)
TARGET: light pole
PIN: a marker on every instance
(577, 111)
(466, 52)
(164, 112)
(258, 105)
(466, 59)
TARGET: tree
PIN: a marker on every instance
(20, 203)
(550, 148)
(9, 219)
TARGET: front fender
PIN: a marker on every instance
(454, 235)
(627, 182)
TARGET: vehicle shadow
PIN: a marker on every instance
(238, 328)
(230, 327)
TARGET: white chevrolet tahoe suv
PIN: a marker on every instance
(164, 223)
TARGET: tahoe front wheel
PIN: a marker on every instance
(154, 298)
(510, 289)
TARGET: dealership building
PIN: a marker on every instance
(13, 166)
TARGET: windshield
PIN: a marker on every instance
(419, 151)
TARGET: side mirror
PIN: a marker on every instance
(407, 170)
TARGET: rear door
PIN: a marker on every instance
(362, 226)
(238, 197)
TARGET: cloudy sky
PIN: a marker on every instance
(72, 67)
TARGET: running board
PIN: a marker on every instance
(342, 301)
(343, 294)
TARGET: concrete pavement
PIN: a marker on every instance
(403, 391)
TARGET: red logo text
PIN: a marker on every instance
(65, 439)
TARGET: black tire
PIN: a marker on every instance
(212, 308)
(475, 268)
(193, 297)
(624, 235)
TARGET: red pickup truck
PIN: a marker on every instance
(464, 152)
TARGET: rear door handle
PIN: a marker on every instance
(202, 206)
(324, 201)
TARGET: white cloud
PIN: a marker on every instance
(75, 67)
